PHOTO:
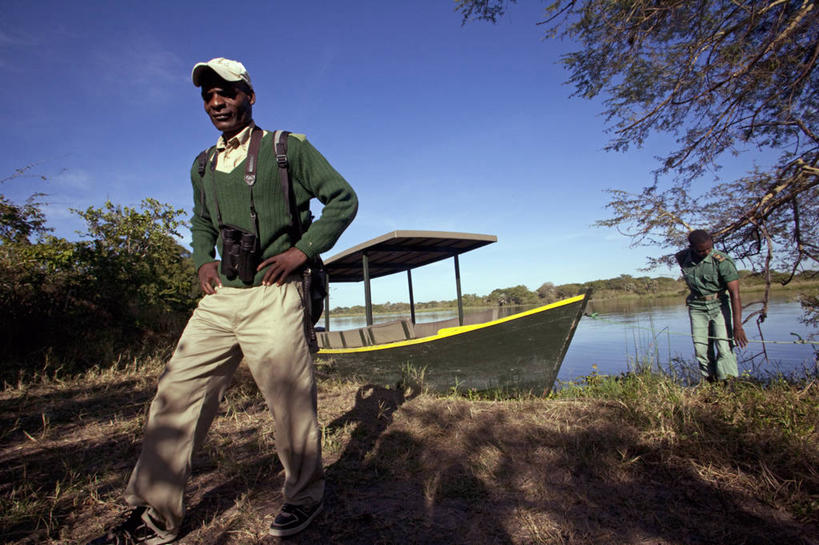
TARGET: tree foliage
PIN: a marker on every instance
(73, 303)
(21, 222)
(723, 77)
(134, 254)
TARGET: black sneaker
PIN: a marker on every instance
(132, 531)
(292, 519)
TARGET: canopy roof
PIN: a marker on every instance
(401, 251)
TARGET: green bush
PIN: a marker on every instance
(69, 304)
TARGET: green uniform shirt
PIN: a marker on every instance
(709, 276)
(311, 176)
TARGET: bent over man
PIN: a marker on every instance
(714, 306)
(253, 309)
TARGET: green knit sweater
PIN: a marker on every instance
(311, 176)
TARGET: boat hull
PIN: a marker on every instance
(522, 351)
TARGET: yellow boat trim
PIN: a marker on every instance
(450, 331)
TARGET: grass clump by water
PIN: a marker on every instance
(637, 458)
(754, 434)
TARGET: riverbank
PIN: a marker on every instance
(628, 460)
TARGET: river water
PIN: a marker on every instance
(617, 334)
(658, 330)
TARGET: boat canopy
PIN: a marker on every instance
(396, 252)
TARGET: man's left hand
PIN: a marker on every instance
(739, 337)
(281, 266)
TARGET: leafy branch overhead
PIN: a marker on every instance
(723, 77)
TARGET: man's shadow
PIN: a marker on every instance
(371, 415)
(373, 494)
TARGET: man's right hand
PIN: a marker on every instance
(209, 277)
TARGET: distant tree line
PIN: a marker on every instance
(621, 286)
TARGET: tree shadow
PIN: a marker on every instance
(420, 469)
(598, 483)
(84, 437)
(215, 496)
(91, 404)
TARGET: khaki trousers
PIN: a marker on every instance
(712, 331)
(264, 325)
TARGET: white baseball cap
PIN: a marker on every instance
(226, 69)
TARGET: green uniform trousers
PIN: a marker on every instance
(265, 325)
(711, 329)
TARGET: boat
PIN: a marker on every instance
(486, 350)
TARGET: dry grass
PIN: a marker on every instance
(632, 461)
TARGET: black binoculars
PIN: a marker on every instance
(240, 253)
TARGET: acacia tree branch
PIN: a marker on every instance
(676, 219)
(805, 129)
(737, 73)
(771, 200)
(797, 235)
(690, 148)
(762, 314)
(768, 257)
(672, 97)
(807, 70)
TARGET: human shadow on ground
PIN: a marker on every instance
(366, 505)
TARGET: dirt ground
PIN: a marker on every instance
(402, 467)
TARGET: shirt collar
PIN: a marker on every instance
(240, 139)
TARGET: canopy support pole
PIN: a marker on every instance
(368, 303)
(458, 288)
(412, 300)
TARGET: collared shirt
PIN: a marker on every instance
(232, 152)
(708, 276)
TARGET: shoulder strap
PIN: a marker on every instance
(308, 289)
(202, 162)
(280, 149)
(252, 163)
(250, 171)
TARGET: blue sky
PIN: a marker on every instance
(436, 125)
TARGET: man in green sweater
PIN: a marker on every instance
(252, 314)
(714, 306)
